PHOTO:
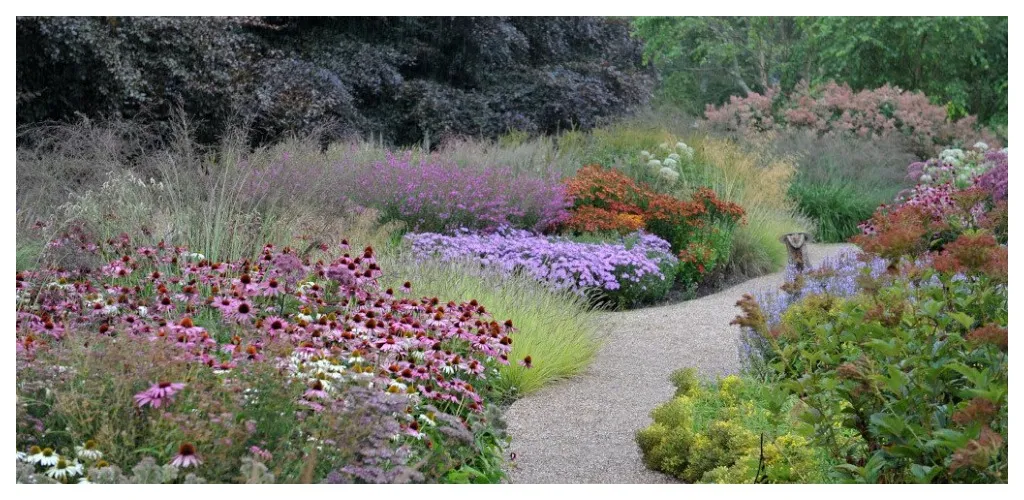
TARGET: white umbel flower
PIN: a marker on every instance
(669, 175)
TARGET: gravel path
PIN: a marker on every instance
(581, 430)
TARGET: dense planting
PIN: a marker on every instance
(700, 229)
(305, 366)
(896, 360)
(834, 109)
(733, 431)
(441, 196)
(638, 270)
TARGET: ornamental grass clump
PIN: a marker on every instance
(300, 355)
(640, 269)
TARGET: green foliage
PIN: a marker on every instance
(707, 59)
(908, 381)
(556, 329)
(962, 62)
(736, 430)
(840, 180)
(959, 61)
(836, 208)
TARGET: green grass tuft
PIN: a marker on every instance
(556, 329)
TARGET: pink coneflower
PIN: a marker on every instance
(186, 456)
(158, 393)
(164, 304)
(271, 288)
(388, 344)
(275, 324)
(241, 311)
(316, 390)
(527, 362)
(406, 287)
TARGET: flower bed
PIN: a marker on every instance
(902, 353)
(698, 230)
(640, 269)
(289, 362)
(437, 196)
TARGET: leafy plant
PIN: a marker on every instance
(735, 430)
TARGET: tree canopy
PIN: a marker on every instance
(405, 78)
(960, 62)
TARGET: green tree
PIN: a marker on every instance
(707, 59)
(960, 62)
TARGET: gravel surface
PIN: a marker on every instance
(581, 430)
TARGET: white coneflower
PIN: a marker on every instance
(88, 451)
(45, 457)
(21, 456)
(64, 469)
(426, 420)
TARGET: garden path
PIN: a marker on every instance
(582, 430)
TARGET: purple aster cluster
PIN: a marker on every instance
(557, 262)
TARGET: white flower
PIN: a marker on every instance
(21, 456)
(645, 154)
(669, 162)
(654, 166)
(426, 420)
(925, 179)
(668, 174)
(63, 469)
(143, 310)
(44, 457)
(981, 146)
(674, 156)
(664, 145)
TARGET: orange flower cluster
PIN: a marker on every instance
(592, 219)
(608, 200)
